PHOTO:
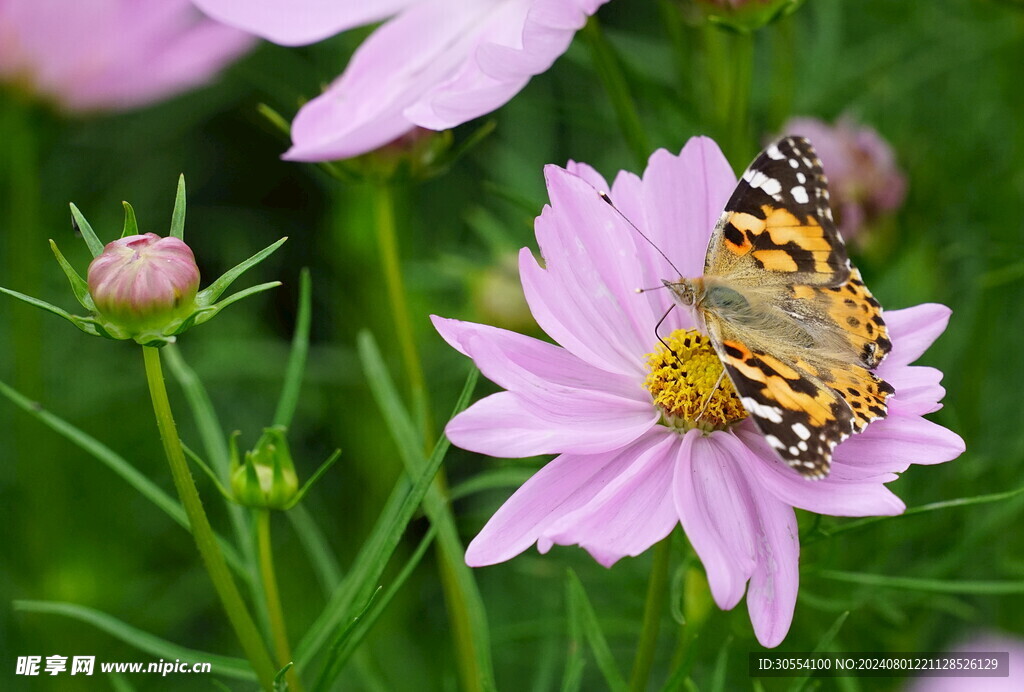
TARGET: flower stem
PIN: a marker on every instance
(206, 542)
(387, 240)
(273, 597)
(730, 56)
(609, 71)
(654, 608)
(458, 586)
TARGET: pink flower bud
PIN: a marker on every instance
(144, 283)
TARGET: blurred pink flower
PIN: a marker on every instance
(623, 480)
(863, 177)
(111, 54)
(990, 642)
(434, 63)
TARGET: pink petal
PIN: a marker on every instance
(113, 54)
(771, 596)
(841, 494)
(918, 391)
(511, 353)
(298, 22)
(683, 197)
(506, 425)
(896, 443)
(912, 331)
(562, 486)
(632, 512)
(518, 39)
(394, 67)
(718, 515)
(589, 174)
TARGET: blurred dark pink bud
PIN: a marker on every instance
(144, 283)
(863, 177)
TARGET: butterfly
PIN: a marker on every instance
(796, 329)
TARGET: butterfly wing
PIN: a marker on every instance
(777, 227)
(793, 323)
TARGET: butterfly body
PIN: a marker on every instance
(795, 327)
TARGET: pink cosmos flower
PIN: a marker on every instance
(623, 479)
(111, 54)
(863, 177)
(434, 63)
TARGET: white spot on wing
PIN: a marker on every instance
(769, 413)
(771, 186)
(773, 152)
(800, 194)
(801, 431)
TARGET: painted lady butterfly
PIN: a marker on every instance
(791, 320)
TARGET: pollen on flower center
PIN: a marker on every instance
(681, 381)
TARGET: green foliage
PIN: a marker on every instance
(370, 560)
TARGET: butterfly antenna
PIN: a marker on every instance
(606, 198)
(658, 326)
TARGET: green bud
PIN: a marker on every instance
(746, 16)
(266, 477)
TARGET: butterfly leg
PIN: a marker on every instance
(707, 399)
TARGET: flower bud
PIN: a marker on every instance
(746, 15)
(266, 478)
(144, 283)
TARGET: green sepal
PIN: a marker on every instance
(131, 224)
(314, 478)
(78, 285)
(280, 683)
(206, 314)
(750, 17)
(178, 215)
(210, 473)
(86, 324)
(82, 226)
(211, 293)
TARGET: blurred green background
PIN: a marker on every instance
(941, 81)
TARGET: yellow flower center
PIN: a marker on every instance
(682, 382)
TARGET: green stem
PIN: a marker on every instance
(654, 609)
(730, 56)
(387, 240)
(205, 539)
(273, 597)
(458, 589)
(609, 71)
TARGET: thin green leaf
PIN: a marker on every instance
(114, 462)
(924, 509)
(120, 683)
(79, 286)
(580, 604)
(823, 644)
(211, 293)
(211, 312)
(324, 562)
(82, 226)
(296, 367)
(373, 557)
(575, 661)
(178, 215)
(721, 667)
(491, 480)
(948, 586)
(83, 323)
(361, 625)
(131, 224)
(140, 639)
(314, 478)
(472, 625)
